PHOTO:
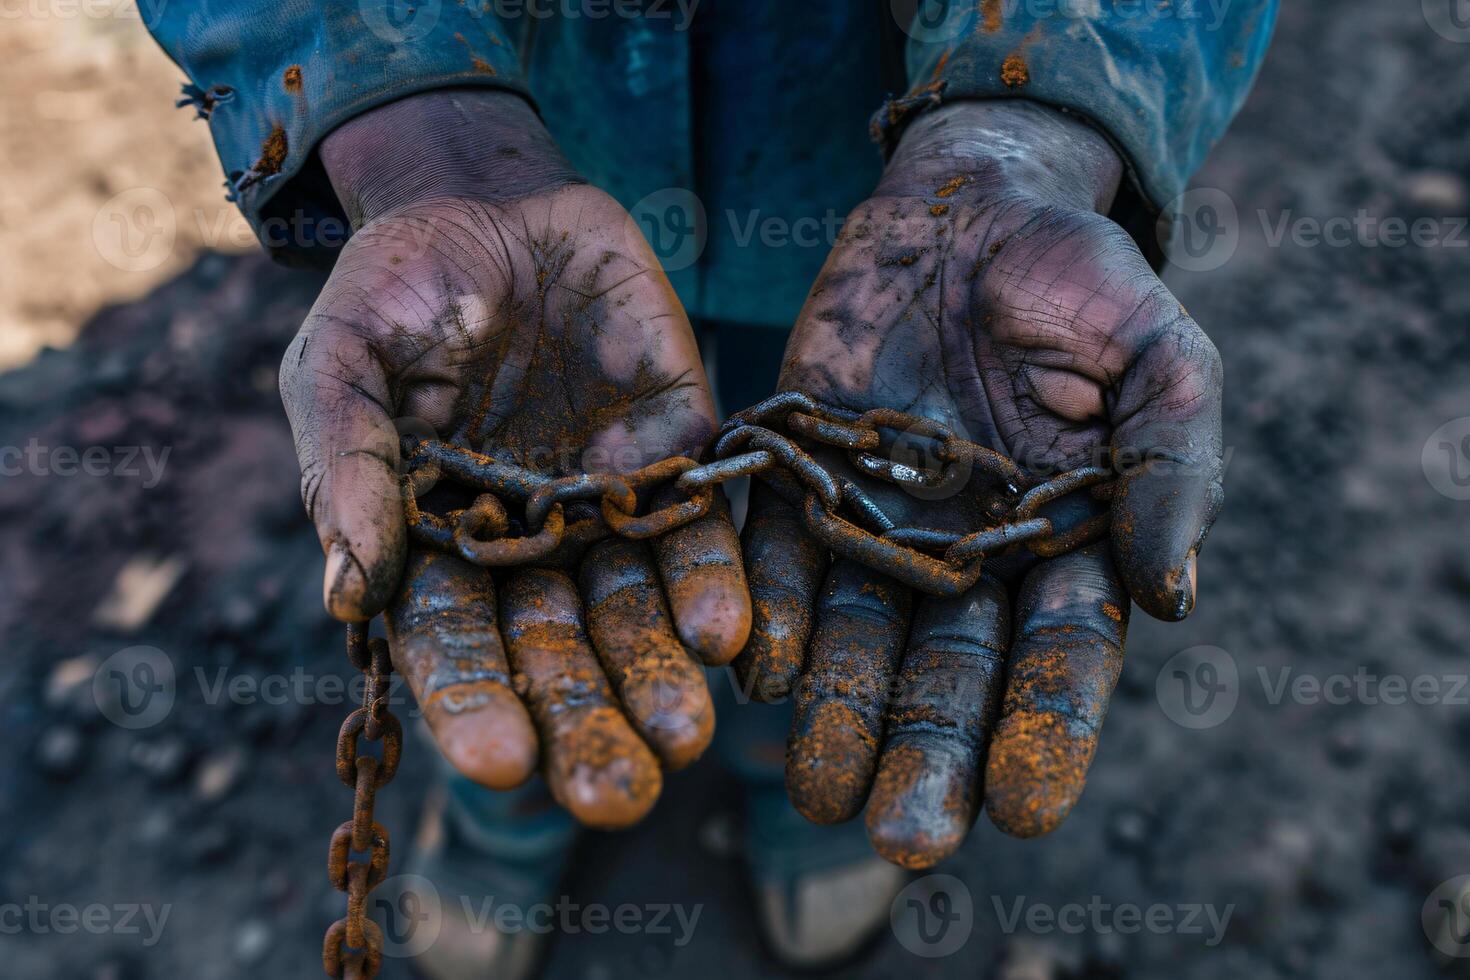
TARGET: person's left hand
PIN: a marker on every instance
(983, 287)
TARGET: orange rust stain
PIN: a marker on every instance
(292, 79)
(1013, 71)
(939, 210)
(951, 186)
(990, 16)
(272, 152)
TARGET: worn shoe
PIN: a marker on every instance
(821, 891)
(480, 861)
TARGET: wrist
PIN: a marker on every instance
(477, 143)
(1006, 144)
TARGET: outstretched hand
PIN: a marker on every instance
(493, 297)
(982, 287)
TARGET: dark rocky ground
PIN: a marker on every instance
(1324, 826)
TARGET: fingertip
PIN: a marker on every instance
(785, 567)
(1161, 513)
(674, 714)
(830, 763)
(705, 582)
(922, 805)
(604, 774)
(712, 615)
(1166, 593)
(1035, 773)
(494, 745)
(353, 591)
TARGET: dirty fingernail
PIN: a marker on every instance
(343, 584)
(1188, 585)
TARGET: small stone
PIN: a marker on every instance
(1128, 828)
(59, 751)
(69, 685)
(163, 759)
(1436, 190)
(218, 775)
(717, 835)
(252, 941)
(139, 588)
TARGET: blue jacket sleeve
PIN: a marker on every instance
(1162, 78)
(275, 76)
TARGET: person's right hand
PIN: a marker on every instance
(492, 294)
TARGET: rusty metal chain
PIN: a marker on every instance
(353, 946)
(556, 514)
(765, 442)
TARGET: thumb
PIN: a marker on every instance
(336, 397)
(1167, 449)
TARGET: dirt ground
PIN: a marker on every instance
(131, 184)
(1324, 824)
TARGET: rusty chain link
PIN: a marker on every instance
(353, 946)
(764, 441)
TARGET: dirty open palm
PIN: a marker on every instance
(983, 288)
(493, 300)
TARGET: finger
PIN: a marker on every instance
(1071, 619)
(445, 640)
(336, 397)
(661, 687)
(700, 563)
(927, 791)
(784, 567)
(1167, 448)
(596, 765)
(862, 618)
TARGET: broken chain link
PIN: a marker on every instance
(353, 946)
(762, 442)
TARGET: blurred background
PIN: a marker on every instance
(1280, 789)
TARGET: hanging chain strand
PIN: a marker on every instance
(557, 515)
(353, 946)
